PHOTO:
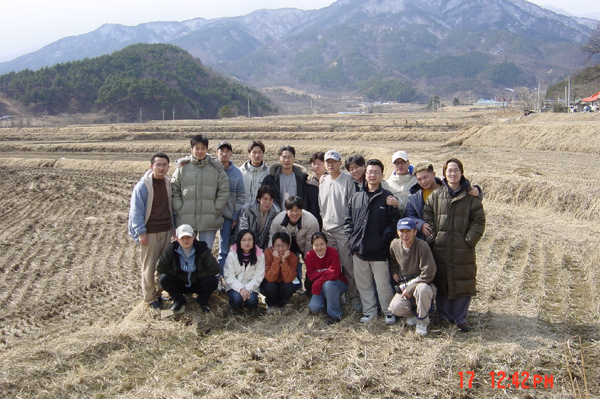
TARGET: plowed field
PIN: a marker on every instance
(72, 323)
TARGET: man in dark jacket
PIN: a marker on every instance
(371, 226)
(188, 267)
(288, 180)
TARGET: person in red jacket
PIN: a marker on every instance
(280, 272)
(326, 280)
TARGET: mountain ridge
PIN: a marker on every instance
(342, 46)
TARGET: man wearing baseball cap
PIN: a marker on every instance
(335, 193)
(413, 267)
(400, 182)
(188, 267)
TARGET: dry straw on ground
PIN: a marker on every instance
(72, 324)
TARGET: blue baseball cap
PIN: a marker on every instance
(407, 224)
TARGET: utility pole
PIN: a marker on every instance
(173, 113)
(140, 115)
(569, 94)
(163, 112)
(248, 108)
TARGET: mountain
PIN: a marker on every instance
(153, 78)
(420, 47)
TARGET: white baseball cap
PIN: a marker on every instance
(333, 154)
(398, 155)
(184, 230)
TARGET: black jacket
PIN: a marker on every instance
(273, 181)
(371, 225)
(206, 264)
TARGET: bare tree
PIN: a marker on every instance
(593, 45)
(527, 97)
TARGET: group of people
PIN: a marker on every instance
(392, 246)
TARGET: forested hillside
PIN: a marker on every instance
(150, 77)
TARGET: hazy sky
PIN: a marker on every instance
(28, 25)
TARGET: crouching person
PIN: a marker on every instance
(412, 266)
(187, 266)
(325, 279)
(244, 271)
(280, 272)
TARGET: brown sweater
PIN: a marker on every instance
(417, 261)
(160, 216)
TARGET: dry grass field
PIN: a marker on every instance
(72, 323)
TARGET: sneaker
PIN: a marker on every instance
(464, 327)
(411, 321)
(156, 305)
(235, 311)
(272, 310)
(390, 319)
(205, 308)
(421, 328)
(367, 318)
(332, 320)
(177, 305)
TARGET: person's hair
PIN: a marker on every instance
(264, 189)
(283, 236)
(240, 251)
(423, 166)
(460, 166)
(256, 143)
(356, 159)
(320, 155)
(318, 234)
(375, 162)
(294, 201)
(159, 155)
(199, 138)
(287, 148)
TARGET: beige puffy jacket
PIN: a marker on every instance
(200, 189)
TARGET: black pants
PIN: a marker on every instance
(277, 294)
(203, 288)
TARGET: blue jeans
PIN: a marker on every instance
(224, 242)
(236, 301)
(277, 294)
(208, 237)
(330, 296)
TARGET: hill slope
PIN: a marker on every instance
(150, 77)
